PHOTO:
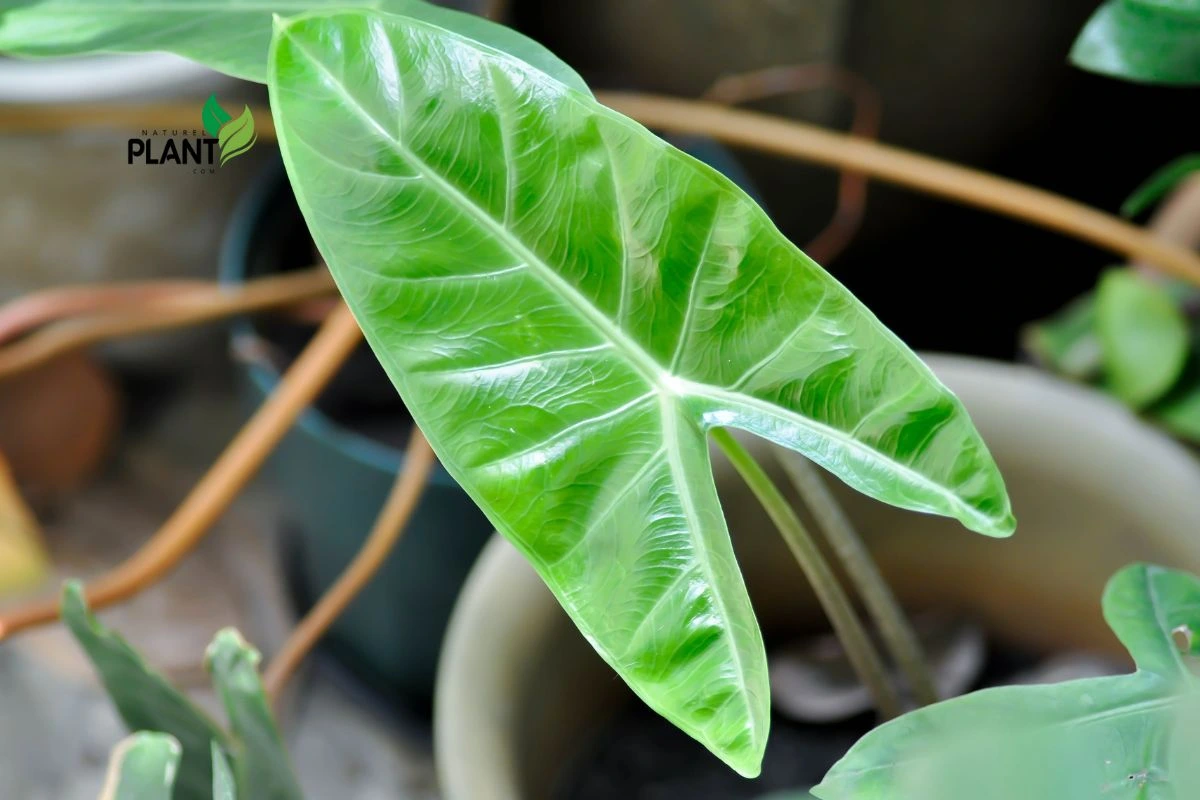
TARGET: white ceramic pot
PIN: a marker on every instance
(1093, 488)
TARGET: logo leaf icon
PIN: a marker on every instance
(237, 136)
(213, 116)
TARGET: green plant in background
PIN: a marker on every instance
(1151, 41)
(177, 751)
(1129, 736)
(1134, 335)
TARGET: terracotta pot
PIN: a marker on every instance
(520, 693)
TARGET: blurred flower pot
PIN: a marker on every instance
(521, 696)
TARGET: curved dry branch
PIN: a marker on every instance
(300, 385)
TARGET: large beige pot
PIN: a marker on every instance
(1093, 487)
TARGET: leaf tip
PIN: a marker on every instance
(227, 649)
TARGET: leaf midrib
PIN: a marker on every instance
(660, 379)
(654, 373)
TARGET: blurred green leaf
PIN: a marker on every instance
(144, 698)
(224, 786)
(1160, 183)
(142, 767)
(1149, 41)
(1066, 343)
(261, 764)
(232, 36)
(1130, 736)
(1143, 335)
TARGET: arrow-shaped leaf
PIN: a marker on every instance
(1132, 736)
(142, 767)
(567, 304)
(232, 36)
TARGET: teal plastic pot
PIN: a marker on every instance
(332, 478)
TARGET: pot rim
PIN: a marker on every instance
(248, 215)
(101, 77)
(502, 572)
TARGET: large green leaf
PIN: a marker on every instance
(262, 766)
(232, 36)
(142, 767)
(1151, 41)
(1143, 334)
(567, 304)
(1131, 736)
(144, 698)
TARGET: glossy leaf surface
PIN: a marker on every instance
(567, 304)
(1150, 41)
(1125, 737)
(1143, 335)
(143, 767)
(261, 764)
(144, 698)
(231, 36)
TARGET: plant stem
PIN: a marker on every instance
(179, 309)
(389, 525)
(773, 134)
(209, 498)
(859, 648)
(877, 596)
(762, 132)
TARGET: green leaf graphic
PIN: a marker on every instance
(238, 136)
(213, 116)
(568, 305)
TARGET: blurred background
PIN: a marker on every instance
(98, 446)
